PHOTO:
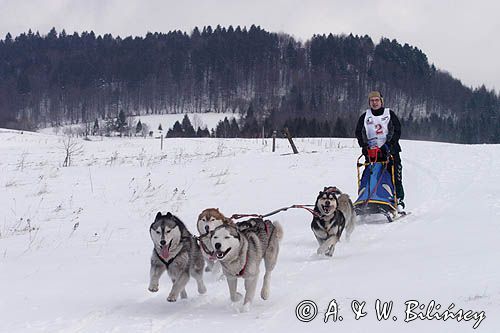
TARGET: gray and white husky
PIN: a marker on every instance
(240, 250)
(176, 251)
(334, 213)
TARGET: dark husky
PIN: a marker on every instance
(176, 251)
(334, 213)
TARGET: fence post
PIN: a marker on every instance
(274, 141)
(289, 137)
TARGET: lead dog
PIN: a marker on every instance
(240, 250)
(334, 212)
(176, 251)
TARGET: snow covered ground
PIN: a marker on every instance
(75, 247)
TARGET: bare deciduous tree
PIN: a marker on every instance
(197, 121)
(145, 129)
(72, 148)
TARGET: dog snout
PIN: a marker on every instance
(163, 242)
(327, 203)
(217, 246)
(207, 228)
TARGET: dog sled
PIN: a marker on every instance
(376, 190)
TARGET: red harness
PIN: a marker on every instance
(243, 269)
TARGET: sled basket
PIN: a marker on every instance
(376, 192)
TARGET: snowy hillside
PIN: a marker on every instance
(75, 247)
(202, 120)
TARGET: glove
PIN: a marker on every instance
(374, 153)
(364, 150)
(385, 151)
(385, 148)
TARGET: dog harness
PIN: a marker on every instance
(168, 262)
(203, 246)
(334, 218)
(243, 269)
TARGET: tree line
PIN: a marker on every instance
(317, 88)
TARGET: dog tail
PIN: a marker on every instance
(345, 203)
(347, 208)
(278, 230)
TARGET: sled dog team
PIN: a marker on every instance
(238, 248)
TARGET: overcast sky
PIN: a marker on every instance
(461, 37)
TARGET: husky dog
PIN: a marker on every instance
(176, 251)
(240, 250)
(208, 220)
(334, 213)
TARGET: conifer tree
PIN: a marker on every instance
(138, 128)
(187, 128)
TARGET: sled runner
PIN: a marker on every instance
(376, 192)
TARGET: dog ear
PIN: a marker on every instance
(169, 215)
(158, 216)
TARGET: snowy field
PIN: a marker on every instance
(75, 247)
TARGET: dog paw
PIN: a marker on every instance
(236, 297)
(264, 293)
(171, 298)
(329, 253)
(245, 307)
(321, 251)
(202, 289)
(153, 289)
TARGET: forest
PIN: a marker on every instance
(316, 88)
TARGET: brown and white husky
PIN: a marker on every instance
(208, 220)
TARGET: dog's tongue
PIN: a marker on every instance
(165, 252)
